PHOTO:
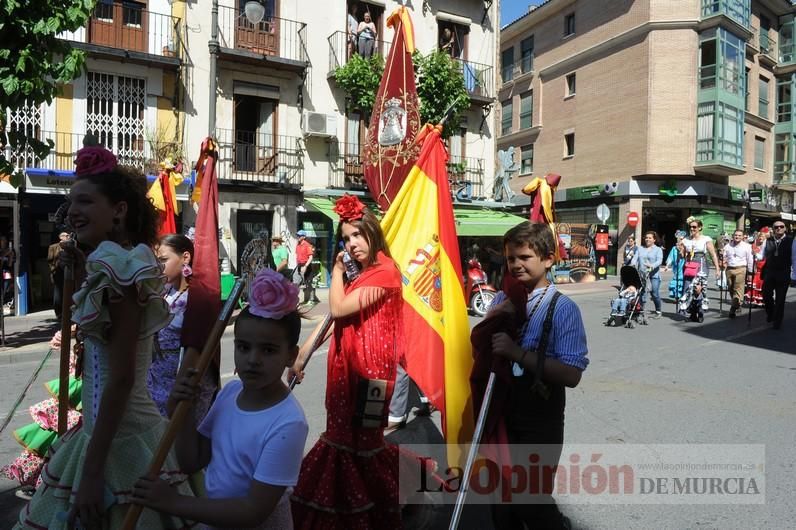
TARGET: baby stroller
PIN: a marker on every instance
(694, 301)
(633, 312)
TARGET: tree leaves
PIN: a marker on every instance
(33, 60)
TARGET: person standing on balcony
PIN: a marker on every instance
(367, 36)
(352, 30)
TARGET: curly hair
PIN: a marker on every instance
(128, 184)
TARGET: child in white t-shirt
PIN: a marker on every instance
(252, 440)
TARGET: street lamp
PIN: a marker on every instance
(254, 11)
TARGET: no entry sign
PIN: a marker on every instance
(632, 219)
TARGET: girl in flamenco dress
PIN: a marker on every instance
(175, 253)
(36, 438)
(349, 479)
(87, 481)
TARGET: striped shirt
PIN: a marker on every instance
(567, 341)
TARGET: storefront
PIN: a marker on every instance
(9, 228)
(44, 192)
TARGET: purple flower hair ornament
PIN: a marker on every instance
(272, 296)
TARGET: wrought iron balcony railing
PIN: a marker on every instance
(342, 46)
(129, 26)
(251, 156)
(478, 78)
(273, 36)
(466, 177)
(345, 166)
(131, 150)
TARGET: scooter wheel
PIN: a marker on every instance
(481, 301)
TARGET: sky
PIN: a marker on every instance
(511, 10)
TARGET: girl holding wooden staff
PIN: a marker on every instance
(120, 306)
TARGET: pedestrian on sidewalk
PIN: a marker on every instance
(307, 268)
(755, 288)
(738, 261)
(778, 272)
(281, 256)
(630, 250)
(648, 261)
(57, 272)
(119, 308)
(675, 262)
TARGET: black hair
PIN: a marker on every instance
(179, 244)
(371, 229)
(538, 236)
(127, 184)
(291, 323)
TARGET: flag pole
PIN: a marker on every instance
(66, 343)
(468, 468)
(316, 343)
(181, 410)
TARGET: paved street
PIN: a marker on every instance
(669, 382)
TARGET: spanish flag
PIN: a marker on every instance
(421, 233)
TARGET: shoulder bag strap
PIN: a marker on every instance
(541, 349)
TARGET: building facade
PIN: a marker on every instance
(130, 98)
(663, 108)
(281, 122)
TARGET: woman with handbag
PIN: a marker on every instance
(696, 248)
(350, 477)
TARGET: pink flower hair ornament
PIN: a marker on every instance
(94, 160)
(272, 296)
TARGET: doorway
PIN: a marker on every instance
(256, 143)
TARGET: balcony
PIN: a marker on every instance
(739, 11)
(274, 42)
(345, 167)
(466, 178)
(260, 158)
(131, 150)
(130, 32)
(478, 80)
(340, 52)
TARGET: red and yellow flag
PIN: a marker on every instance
(421, 233)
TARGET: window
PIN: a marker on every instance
(760, 153)
(506, 116)
(569, 141)
(787, 45)
(255, 140)
(784, 98)
(115, 108)
(527, 54)
(570, 85)
(721, 55)
(27, 120)
(507, 64)
(569, 24)
(738, 10)
(526, 160)
(765, 42)
(526, 110)
(452, 38)
(719, 133)
(784, 156)
(762, 98)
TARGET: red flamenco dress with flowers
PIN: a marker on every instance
(349, 480)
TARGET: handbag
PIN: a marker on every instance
(691, 269)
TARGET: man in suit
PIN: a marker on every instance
(778, 272)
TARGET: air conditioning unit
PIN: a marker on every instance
(318, 124)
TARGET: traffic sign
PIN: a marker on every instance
(632, 219)
(603, 213)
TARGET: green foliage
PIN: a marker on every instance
(360, 79)
(34, 62)
(439, 80)
(440, 84)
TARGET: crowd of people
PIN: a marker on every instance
(754, 269)
(248, 437)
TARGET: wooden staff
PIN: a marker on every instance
(66, 343)
(319, 339)
(181, 410)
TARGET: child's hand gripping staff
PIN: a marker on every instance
(183, 407)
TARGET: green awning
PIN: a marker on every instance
(469, 222)
(489, 223)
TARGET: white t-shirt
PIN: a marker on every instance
(265, 445)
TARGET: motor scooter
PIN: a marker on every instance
(477, 290)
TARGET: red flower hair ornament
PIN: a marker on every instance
(349, 208)
(94, 160)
